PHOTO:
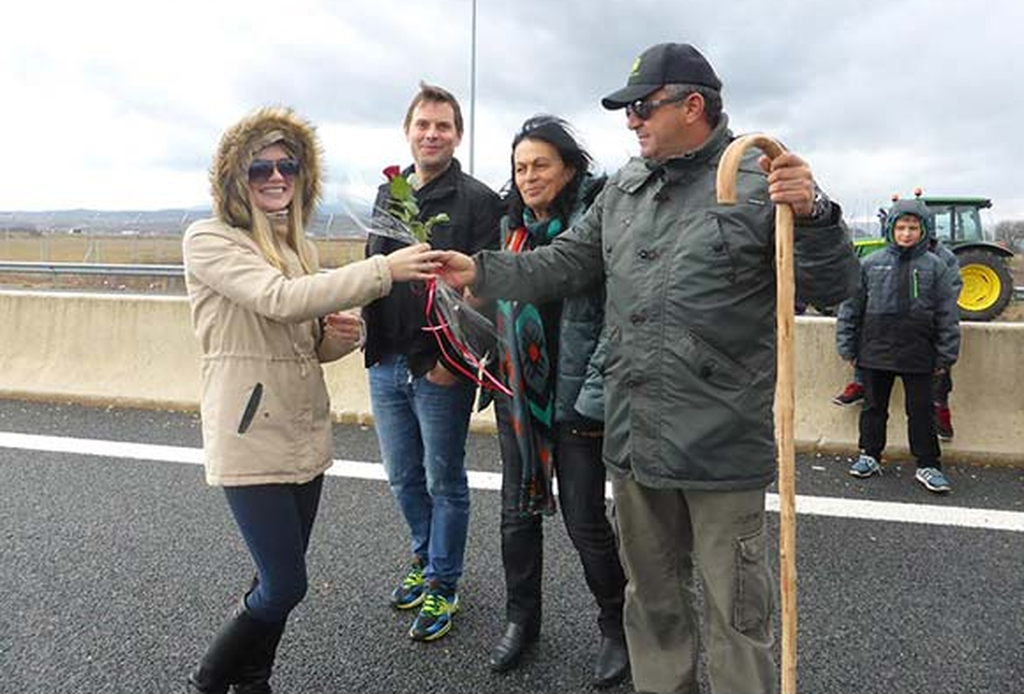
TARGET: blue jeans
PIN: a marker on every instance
(276, 521)
(421, 428)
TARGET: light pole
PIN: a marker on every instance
(472, 89)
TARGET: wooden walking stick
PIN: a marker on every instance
(785, 295)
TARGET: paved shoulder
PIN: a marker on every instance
(116, 569)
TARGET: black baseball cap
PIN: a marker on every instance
(665, 63)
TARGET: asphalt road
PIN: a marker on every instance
(114, 572)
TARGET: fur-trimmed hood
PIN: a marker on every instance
(239, 145)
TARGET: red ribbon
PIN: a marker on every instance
(483, 377)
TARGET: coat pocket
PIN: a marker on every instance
(752, 604)
(250, 408)
(710, 363)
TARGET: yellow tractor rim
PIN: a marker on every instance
(981, 288)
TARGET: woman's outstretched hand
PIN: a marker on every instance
(457, 269)
(416, 262)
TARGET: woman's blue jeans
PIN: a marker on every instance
(422, 430)
(276, 521)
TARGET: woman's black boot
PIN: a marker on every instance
(510, 646)
(254, 673)
(612, 663)
(229, 651)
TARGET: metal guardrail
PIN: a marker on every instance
(119, 269)
(148, 270)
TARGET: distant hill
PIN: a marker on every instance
(330, 220)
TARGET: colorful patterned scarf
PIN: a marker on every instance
(527, 369)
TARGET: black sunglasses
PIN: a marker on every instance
(643, 109)
(263, 169)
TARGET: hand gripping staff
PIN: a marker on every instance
(785, 293)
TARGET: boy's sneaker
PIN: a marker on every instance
(435, 617)
(943, 422)
(852, 394)
(933, 480)
(865, 466)
(411, 591)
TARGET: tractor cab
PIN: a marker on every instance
(959, 220)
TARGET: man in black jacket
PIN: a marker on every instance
(421, 409)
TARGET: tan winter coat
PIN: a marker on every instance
(265, 409)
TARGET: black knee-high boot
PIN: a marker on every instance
(243, 644)
(254, 672)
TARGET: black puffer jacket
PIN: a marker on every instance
(394, 324)
(904, 316)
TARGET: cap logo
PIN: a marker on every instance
(635, 70)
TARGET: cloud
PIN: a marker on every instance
(119, 104)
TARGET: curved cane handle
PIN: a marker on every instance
(785, 400)
(729, 165)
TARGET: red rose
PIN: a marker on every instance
(391, 172)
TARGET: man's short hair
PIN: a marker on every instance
(430, 92)
(712, 99)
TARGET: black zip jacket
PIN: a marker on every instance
(394, 323)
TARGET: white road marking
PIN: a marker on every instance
(862, 509)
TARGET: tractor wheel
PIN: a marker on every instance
(988, 285)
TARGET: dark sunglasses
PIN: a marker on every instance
(643, 109)
(263, 169)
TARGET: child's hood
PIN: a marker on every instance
(915, 208)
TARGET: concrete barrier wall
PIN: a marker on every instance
(140, 351)
(131, 350)
(987, 399)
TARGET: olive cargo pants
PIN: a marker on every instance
(665, 534)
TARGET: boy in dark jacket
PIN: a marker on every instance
(903, 321)
(942, 384)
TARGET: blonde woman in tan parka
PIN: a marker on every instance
(266, 319)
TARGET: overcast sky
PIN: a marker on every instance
(119, 105)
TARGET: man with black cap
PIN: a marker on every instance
(690, 368)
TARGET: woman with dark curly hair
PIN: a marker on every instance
(551, 426)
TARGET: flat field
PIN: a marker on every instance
(160, 250)
(119, 249)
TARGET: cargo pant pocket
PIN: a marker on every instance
(753, 597)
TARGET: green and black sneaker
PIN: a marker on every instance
(411, 591)
(435, 617)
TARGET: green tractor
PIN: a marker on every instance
(988, 284)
